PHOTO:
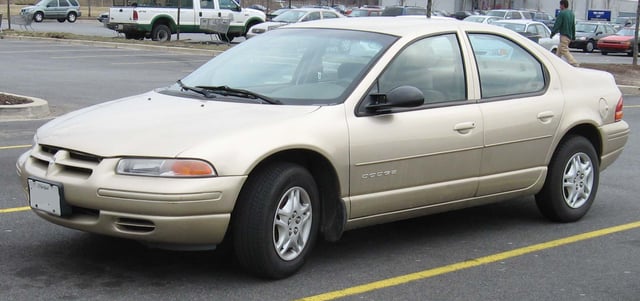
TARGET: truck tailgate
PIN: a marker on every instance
(121, 15)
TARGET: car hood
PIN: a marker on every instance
(616, 38)
(154, 124)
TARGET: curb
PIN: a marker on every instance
(37, 108)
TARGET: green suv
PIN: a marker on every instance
(60, 10)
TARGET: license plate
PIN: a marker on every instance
(120, 26)
(47, 197)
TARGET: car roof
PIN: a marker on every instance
(519, 21)
(397, 26)
(308, 9)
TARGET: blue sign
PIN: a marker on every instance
(599, 15)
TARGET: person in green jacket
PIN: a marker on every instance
(565, 25)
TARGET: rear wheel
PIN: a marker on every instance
(572, 181)
(275, 222)
(161, 33)
(71, 17)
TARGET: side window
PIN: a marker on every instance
(515, 15)
(433, 65)
(228, 4)
(312, 16)
(63, 3)
(532, 29)
(504, 67)
(328, 15)
(74, 3)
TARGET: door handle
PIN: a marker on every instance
(464, 127)
(546, 116)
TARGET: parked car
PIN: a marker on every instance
(103, 17)
(293, 16)
(321, 127)
(365, 12)
(621, 42)
(543, 17)
(60, 10)
(534, 30)
(588, 33)
(482, 19)
(509, 14)
(391, 11)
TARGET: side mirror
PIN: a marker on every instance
(400, 97)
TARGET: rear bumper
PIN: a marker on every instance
(614, 138)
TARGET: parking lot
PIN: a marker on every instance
(506, 251)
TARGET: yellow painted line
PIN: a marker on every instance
(17, 209)
(467, 264)
(15, 146)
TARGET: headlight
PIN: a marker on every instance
(582, 38)
(165, 167)
(257, 30)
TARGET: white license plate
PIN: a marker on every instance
(46, 197)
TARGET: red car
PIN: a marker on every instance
(622, 41)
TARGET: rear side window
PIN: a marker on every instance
(74, 3)
(505, 68)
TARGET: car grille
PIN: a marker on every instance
(60, 161)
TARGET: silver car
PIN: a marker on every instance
(321, 127)
(60, 10)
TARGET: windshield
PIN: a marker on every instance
(581, 27)
(290, 16)
(294, 66)
(512, 26)
(496, 13)
(626, 32)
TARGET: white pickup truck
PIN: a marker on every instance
(159, 19)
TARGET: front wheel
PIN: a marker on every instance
(38, 17)
(276, 219)
(161, 33)
(572, 181)
(589, 47)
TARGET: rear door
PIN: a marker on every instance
(521, 108)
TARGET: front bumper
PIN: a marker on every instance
(193, 211)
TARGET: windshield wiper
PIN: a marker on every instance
(225, 91)
(203, 92)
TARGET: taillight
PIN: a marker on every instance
(619, 112)
(135, 15)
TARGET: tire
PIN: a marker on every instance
(161, 33)
(604, 52)
(276, 220)
(72, 17)
(38, 17)
(572, 181)
(61, 20)
(589, 47)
